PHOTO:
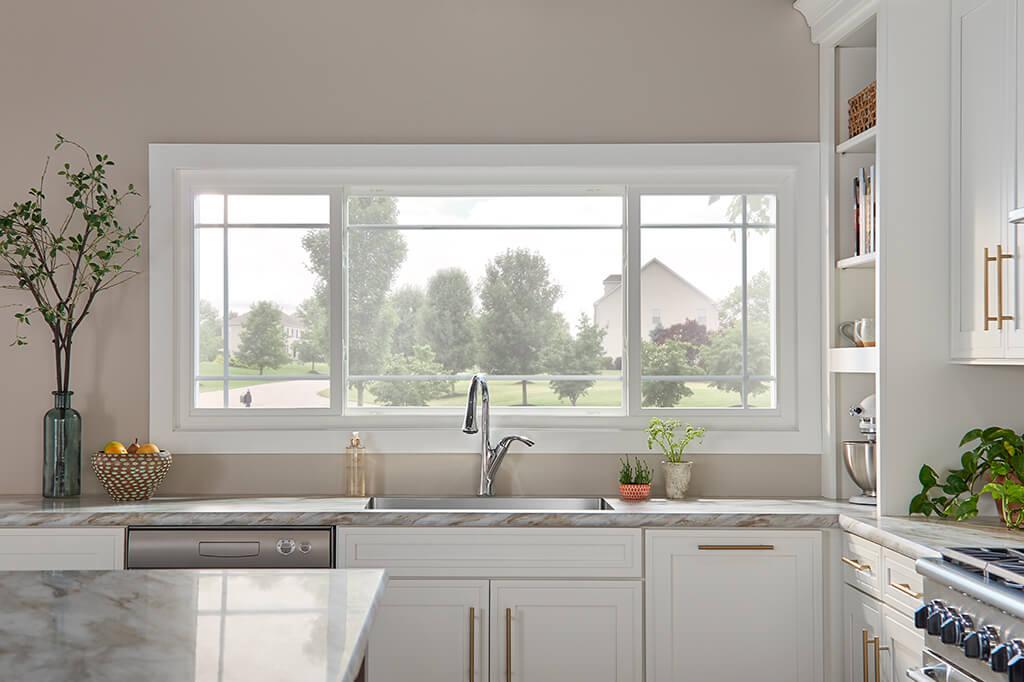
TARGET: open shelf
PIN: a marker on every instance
(853, 360)
(863, 262)
(861, 144)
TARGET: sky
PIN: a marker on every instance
(269, 263)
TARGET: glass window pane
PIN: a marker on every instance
(278, 333)
(279, 209)
(691, 209)
(210, 209)
(209, 314)
(761, 209)
(540, 211)
(761, 285)
(209, 394)
(690, 307)
(424, 315)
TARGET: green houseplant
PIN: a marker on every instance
(662, 432)
(64, 265)
(634, 480)
(994, 465)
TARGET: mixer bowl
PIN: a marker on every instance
(859, 458)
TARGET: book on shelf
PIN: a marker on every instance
(865, 212)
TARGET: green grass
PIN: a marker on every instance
(291, 369)
(539, 394)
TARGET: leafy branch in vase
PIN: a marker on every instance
(64, 266)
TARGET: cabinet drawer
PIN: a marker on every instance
(493, 552)
(61, 549)
(862, 564)
(901, 584)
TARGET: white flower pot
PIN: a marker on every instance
(677, 479)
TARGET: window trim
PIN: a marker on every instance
(789, 170)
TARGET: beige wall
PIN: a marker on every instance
(118, 75)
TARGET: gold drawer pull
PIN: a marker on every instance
(508, 645)
(736, 548)
(856, 565)
(905, 589)
(472, 644)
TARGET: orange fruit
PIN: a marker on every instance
(148, 449)
(115, 448)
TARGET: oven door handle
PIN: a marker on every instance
(929, 673)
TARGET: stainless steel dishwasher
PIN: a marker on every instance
(230, 547)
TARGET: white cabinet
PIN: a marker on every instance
(901, 645)
(551, 631)
(983, 147)
(57, 549)
(862, 622)
(430, 630)
(714, 592)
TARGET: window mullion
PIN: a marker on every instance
(225, 315)
(337, 304)
(744, 385)
(633, 339)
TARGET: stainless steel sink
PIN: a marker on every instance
(491, 503)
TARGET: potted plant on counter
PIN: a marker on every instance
(63, 264)
(662, 432)
(993, 466)
(634, 480)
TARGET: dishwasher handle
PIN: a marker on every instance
(231, 550)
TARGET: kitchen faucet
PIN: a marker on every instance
(490, 458)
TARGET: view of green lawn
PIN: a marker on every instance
(217, 367)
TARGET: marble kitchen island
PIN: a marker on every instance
(198, 625)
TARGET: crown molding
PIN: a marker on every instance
(831, 19)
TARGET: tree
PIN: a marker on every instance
(724, 353)
(407, 306)
(671, 358)
(449, 321)
(315, 344)
(374, 257)
(581, 355)
(517, 318)
(691, 332)
(262, 342)
(410, 393)
(211, 332)
(759, 291)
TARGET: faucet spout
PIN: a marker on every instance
(490, 458)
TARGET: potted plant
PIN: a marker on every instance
(993, 466)
(64, 265)
(677, 472)
(634, 480)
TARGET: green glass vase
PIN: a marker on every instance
(62, 448)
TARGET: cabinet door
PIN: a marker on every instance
(566, 630)
(431, 631)
(1015, 233)
(734, 606)
(61, 549)
(982, 157)
(862, 622)
(902, 645)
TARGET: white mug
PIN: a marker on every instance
(861, 332)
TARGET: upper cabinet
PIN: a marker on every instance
(985, 275)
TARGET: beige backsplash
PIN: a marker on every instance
(458, 474)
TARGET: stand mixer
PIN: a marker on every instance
(859, 456)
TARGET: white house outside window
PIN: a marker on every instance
(327, 300)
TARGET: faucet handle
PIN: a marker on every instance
(508, 440)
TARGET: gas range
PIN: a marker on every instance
(973, 615)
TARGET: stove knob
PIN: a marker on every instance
(936, 616)
(1000, 657)
(1015, 668)
(977, 644)
(921, 616)
(951, 631)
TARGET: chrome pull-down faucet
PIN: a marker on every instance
(490, 458)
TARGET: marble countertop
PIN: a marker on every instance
(914, 537)
(186, 625)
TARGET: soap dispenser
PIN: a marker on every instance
(355, 467)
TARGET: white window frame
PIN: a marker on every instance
(789, 170)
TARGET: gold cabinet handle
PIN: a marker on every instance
(986, 260)
(856, 565)
(508, 645)
(1000, 257)
(878, 657)
(736, 548)
(905, 589)
(472, 643)
(864, 653)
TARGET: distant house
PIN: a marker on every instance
(294, 329)
(668, 298)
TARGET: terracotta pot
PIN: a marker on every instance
(635, 492)
(677, 479)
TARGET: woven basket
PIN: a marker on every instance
(129, 478)
(863, 110)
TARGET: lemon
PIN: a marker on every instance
(147, 449)
(115, 448)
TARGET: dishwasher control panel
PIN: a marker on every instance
(230, 547)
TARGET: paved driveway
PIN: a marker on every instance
(272, 394)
